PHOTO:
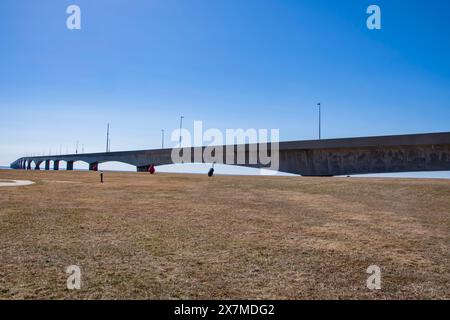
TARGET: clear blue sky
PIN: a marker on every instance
(231, 63)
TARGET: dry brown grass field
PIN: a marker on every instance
(139, 236)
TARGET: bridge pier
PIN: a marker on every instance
(56, 165)
(37, 167)
(47, 165)
(29, 165)
(93, 166)
(69, 165)
(143, 168)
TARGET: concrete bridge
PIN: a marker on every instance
(331, 157)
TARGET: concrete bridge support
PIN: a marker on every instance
(37, 165)
(47, 165)
(56, 165)
(93, 166)
(69, 165)
(29, 165)
(143, 168)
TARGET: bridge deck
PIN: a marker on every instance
(398, 153)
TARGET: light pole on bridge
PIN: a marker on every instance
(181, 126)
(107, 138)
(320, 120)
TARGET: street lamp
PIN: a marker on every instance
(162, 138)
(181, 126)
(107, 138)
(320, 120)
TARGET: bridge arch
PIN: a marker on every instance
(81, 165)
(203, 168)
(59, 164)
(116, 166)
